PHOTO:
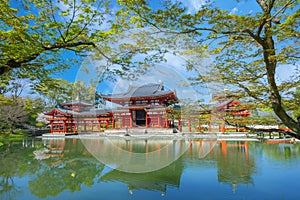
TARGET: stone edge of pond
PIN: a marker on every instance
(186, 135)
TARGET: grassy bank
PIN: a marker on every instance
(18, 135)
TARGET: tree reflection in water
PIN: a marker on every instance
(68, 168)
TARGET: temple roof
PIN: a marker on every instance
(229, 105)
(154, 181)
(71, 112)
(221, 105)
(148, 90)
(71, 103)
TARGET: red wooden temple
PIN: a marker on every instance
(235, 112)
(213, 118)
(78, 116)
(146, 106)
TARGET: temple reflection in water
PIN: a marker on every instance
(62, 169)
(235, 165)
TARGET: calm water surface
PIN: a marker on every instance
(68, 169)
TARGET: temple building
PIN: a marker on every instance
(78, 116)
(212, 118)
(145, 106)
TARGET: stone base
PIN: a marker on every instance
(141, 131)
(57, 135)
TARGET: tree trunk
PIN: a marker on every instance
(275, 98)
(11, 130)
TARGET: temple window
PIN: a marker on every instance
(154, 102)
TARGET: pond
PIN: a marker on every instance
(168, 169)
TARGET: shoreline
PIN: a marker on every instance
(185, 135)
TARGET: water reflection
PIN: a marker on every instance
(281, 151)
(235, 165)
(68, 166)
(154, 181)
(50, 167)
(140, 156)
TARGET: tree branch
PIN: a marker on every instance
(53, 16)
(13, 63)
(263, 5)
(249, 92)
(67, 45)
(72, 19)
(280, 10)
(264, 21)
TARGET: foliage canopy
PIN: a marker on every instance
(248, 48)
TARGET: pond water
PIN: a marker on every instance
(103, 169)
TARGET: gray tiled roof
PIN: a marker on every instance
(77, 102)
(87, 112)
(217, 105)
(151, 89)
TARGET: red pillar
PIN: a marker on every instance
(130, 119)
(99, 126)
(112, 123)
(65, 126)
(51, 127)
(167, 121)
(158, 121)
(71, 126)
(209, 124)
(146, 120)
(75, 128)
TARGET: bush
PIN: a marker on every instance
(39, 124)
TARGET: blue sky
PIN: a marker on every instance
(237, 7)
(240, 7)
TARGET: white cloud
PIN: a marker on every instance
(287, 72)
(234, 10)
(104, 25)
(172, 72)
(193, 5)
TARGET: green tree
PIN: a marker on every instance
(248, 48)
(39, 38)
(11, 116)
(83, 92)
(54, 91)
(34, 106)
